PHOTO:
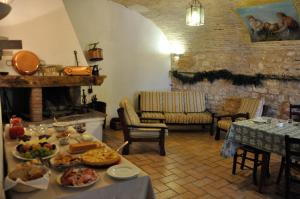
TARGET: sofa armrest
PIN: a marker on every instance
(240, 115)
(233, 117)
(211, 112)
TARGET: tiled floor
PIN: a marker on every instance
(193, 168)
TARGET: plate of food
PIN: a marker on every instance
(104, 156)
(29, 151)
(62, 161)
(123, 172)
(77, 177)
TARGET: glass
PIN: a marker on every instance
(79, 127)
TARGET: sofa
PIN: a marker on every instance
(180, 107)
(237, 108)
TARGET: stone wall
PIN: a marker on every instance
(224, 43)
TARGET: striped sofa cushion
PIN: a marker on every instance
(194, 102)
(252, 106)
(173, 102)
(130, 115)
(199, 118)
(176, 118)
(151, 101)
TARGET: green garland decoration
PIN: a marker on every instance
(236, 79)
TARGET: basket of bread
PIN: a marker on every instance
(28, 177)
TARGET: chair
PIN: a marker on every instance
(247, 108)
(295, 112)
(135, 131)
(289, 162)
(257, 161)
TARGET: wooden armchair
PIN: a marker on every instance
(248, 108)
(135, 131)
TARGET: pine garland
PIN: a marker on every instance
(236, 79)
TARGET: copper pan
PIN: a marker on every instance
(25, 62)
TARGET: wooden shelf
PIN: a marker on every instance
(10, 81)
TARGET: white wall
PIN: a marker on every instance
(45, 29)
(133, 57)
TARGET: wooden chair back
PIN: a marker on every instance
(292, 147)
(295, 112)
(123, 122)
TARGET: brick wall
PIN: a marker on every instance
(224, 43)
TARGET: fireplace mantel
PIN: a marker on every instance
(10, 81)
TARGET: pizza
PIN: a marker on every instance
(100, 157)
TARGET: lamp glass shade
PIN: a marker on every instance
(4, 10)
(195, 14)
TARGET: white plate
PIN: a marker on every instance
(259, 120)
(16, 154)
(76, 186)
(123, 172)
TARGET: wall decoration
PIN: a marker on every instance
(236, 79)
(274, 21)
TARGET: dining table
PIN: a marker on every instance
(106, 187)
(265, 133)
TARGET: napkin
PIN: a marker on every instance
(40, 183)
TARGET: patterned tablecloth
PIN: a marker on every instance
(265, 136)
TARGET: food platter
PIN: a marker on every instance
(104, 156)
(123, 172)
(76, 171)
(18, 155)
(63, 161)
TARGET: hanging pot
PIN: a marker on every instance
(94, 53)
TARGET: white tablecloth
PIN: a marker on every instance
(106, 187)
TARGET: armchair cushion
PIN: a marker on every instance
(252, 106)
(140, 133)
(199, 118)
(230, 106)
(176, 118)
(224, 124)
(153, 115)
(194, 102)
(130, 115)
(151, 101)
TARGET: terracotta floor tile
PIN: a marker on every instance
(193, 168)
(166, 194)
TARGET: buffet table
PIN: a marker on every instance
(136, 188)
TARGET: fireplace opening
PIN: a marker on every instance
(15, 102)
(61, 101)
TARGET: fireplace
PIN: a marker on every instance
(36, 98)
(37, 104)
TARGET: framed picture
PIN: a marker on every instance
(271, 21)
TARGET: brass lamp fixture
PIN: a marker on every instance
(5, 8)
(195, 14)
